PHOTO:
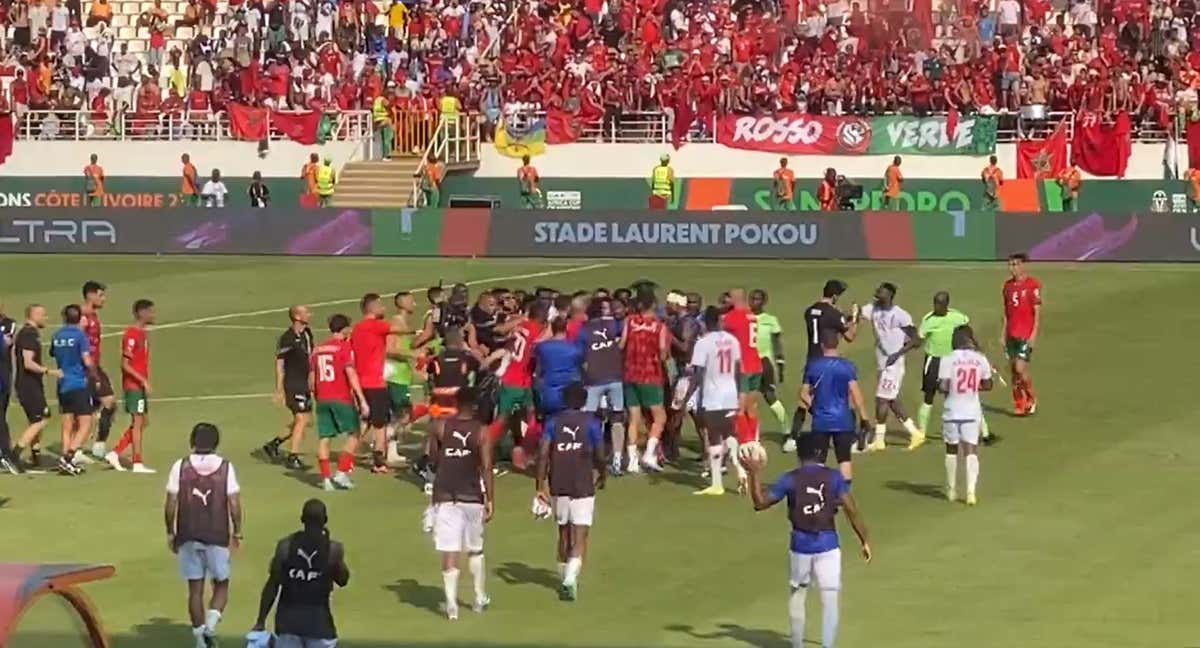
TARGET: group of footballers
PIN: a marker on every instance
(86, 400)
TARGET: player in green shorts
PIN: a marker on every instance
(643, 395)
(336, 388)
(511, 400)
(937, 332)
(335, 419)
(136, 402)
(768, 339)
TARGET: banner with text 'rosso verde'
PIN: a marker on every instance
(804, 134)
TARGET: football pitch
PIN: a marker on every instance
(1083, 535)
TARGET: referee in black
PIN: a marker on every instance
(306, 566)
(823, 315)
(8, 329)
(291, 385)
(31, 393)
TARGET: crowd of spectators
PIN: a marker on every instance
(598, 58)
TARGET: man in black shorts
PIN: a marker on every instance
(291, 385)
(822, 316)
(8, 329)
(95, 294)
(831, 393)
(31, 393)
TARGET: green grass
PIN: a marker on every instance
(1082, 537)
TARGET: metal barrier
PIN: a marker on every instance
(414, 131)
(352, 125)
(455, 141)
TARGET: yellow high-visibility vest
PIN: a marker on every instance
(448, 106)
(660, 181)
(325, 180)
(379, 111)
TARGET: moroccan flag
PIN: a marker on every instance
(1045, 158)
(684, 118)
(247, 123)
(300, 127)
(6, 136)
(1193, 144)
(1102, 149)
(561, 127)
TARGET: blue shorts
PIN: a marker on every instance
(550, 400)
(609, 397)
(198, 561)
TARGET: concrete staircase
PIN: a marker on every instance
(376, 183)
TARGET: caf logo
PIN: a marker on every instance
(854, 135)
(1158, 202)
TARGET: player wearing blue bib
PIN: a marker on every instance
(831, 395)
(813, 494)
(557, 362)
(72, 352)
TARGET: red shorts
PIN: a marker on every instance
(746, 429)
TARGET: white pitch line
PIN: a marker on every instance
(334, 302)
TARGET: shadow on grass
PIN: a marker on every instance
(992, 409)
(516, 573)
(924, 490)
(758, 638)
(412, 593)
(688, 479)
(307, 477)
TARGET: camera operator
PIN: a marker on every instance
(827, 194)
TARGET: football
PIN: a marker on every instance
(754, 450)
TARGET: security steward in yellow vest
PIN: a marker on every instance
(662, 184)
(326, 179)
(382, 116)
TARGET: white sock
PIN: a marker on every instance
(731, 448)
(631, 452)
(475, 565)
(714, 466)
(880, 433)
(391, 432)
(562, 571)
(574, 566)
(951, 470)
(450, 587)
(211, 619)
(796, 615)
(651, 446)
(618, 439)
(741, 472)
(972, 472)
(911, 426)
(829, 617)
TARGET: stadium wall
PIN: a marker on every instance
(606, 233)
(713, 160)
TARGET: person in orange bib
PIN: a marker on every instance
(992, 178)
(892, 180)
(827, 191)
(529, 180)
(93, 182)
(1069, 180)
(1193, 177)
(190, 184)
(784, 185)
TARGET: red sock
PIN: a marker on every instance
(324, 463)
(124, 442)
(495, 431)
(419, 410)
(345, 462)
(1027, 385)
(137, 458)
(533, 433)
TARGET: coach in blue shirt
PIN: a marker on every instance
(70, 349)
(557, 363)
(831, 394)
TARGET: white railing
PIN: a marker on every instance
(354, 125)
(456, 141)
(653, 127)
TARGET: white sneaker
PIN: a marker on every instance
(142, 469)
(114, 460)
(452, 612)
(81, 459)
(481, 604)
(342, 480)
(634, 467)
(789, 445)
(651, 464)
(98, 450)
(394, 458)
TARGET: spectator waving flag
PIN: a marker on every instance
(515, 141)
(247, 122)
(300, 127)
(1102, 149)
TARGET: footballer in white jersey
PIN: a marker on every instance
(962, 376)
(895, 335)
(715, 365)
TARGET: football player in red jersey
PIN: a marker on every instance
(94, 295)
(334, 381)
(1022, 319)
(135, 381)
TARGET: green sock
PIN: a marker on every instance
(780, 413)
(923, 416)
(983, 428)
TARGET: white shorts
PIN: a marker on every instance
(292, 641)
(198, 561)
(458, 527)
(575, 511)
(681, 387)
(955, 432)
(890, 378)
(826, 567)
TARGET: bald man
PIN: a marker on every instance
(291, 385)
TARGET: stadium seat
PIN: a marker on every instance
(126, 33)
(183, 33)
(120, 20)
(137, 45)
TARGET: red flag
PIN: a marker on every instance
(561, 127)
(1102, 149)
(951, 123)
(247, 123)
(6, 136)
(1193, 144)
(684, 118)
(1044, 158)
(300, 127)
